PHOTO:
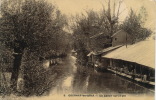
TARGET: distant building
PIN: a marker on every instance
(116, 41)
(101, 40)
(121, 38)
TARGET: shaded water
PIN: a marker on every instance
(69, 78)
(72, 78)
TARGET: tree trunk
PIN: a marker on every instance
(15, 71)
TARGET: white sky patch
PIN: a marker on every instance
(73, 7)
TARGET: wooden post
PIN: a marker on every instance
(141, 72)
(126, 40)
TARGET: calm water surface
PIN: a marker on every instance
(75, 79)
(71, 79)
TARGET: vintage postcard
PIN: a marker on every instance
(77, 49)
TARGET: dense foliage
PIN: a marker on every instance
(31, 28)
(92, 31)
(134, 25)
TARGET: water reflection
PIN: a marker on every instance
(70, 78)
(105, 83)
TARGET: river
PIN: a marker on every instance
(80, 80)
(72, 79)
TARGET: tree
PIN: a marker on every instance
(85, 29)
(94, 24)
(93, 30)
(134, 25)
(28, 25)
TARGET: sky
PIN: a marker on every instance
(73, 7)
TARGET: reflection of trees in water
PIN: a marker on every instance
(100, 83)
(87, 81)
(131, 88)
(80, 80)
(84, 80)
(91, 82)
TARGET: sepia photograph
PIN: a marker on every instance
(77, 49)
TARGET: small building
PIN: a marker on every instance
(91, 57)
(121, 38)
(101, 40)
